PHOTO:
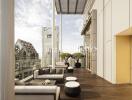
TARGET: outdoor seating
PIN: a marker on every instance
(37, 92)
(56, 74)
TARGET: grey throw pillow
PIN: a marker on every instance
(52, 71)
(19, 83)
(41, 72)
(59, 71)
(47, 71)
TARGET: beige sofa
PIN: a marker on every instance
(37, 92)
(49, 76)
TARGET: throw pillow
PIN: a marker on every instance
(19, 83)
(52, 71)
(47, 71)
(41, 72)
(59, 71)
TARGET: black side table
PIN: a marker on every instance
(72, 89)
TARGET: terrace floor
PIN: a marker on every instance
(96, 88)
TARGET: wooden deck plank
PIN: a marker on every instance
(96, 88)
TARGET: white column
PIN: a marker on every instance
(53, 32)
(60, 35)
(7, 61)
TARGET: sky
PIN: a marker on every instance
(32, 15)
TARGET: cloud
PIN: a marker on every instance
(72, 26)
(32, 15)
(33, 36)
(33, 12)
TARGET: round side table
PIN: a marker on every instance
(71, 78)
(72, 88)
(70, 69)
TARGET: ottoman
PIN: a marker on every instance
(72, 88)
(70, 69)
(71, 78)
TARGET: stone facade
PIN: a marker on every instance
(90, 41)
(26, 57)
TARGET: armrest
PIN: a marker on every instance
(35, 89)
(58, 93)
(36, 73)
(63, 70)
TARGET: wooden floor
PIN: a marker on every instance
(95, 88)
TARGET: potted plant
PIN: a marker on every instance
(78, 56)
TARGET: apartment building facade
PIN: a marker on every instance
(47, 45)
(114, 30)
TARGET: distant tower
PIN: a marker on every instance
(47, 46)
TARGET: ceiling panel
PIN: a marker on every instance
(70, 6)
(64, 5)
(81, 6)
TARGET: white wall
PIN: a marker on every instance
(120, 15)
(106, 1)
(100, 45)
(99, 6)
(107, 41)
(131, 13)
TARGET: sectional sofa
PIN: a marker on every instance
(55, 76)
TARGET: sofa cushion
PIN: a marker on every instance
(35, 89)
(41, 72)
(51, 76)
(59, 71)
(19, 83)
(47, 71)
(52, 71)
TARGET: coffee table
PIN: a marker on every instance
(41, 82)
(71, 78)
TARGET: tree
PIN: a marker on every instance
(78, 55)
(64, 55)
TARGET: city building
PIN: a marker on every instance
(47, 46)
(26, 58)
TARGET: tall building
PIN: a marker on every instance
(47, 45)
